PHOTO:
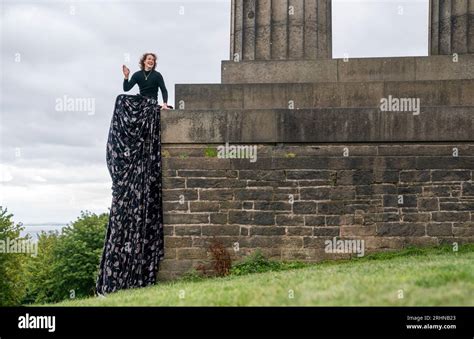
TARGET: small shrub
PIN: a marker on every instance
(210, 152)
(221, 261)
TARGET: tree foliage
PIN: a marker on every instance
(67, 263)
(12, 278)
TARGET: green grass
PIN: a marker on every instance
(427, 277)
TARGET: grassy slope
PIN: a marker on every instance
(426, 276)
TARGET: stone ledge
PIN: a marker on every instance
(322, 94)
(357, 69)
(434, 124)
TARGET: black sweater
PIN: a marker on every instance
(149, 85)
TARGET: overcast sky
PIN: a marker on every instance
(53, 160)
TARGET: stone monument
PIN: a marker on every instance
(379, 150)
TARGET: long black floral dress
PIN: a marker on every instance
(134, 244)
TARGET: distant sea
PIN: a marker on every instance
(35, 229)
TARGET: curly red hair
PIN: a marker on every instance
(143, 58)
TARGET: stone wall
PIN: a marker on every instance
(294, 197)
(332, 161)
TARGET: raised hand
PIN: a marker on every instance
(126, 71)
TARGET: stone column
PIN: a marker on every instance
(451, 27)
(280, 29)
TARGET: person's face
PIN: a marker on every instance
(149, 61)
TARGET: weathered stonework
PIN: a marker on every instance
(289, 205)
(451, 26)
(330, 161)
(280, 29)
